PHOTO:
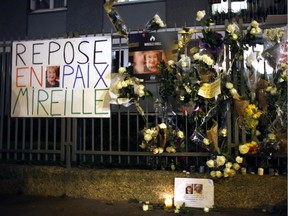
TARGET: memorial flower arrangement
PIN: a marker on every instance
(220, 166)
(127, 89)
(154, 24)
(202, 88)
(162, 138)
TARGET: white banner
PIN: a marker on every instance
(61, 78)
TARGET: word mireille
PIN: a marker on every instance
(84, 78)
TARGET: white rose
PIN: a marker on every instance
(180, 134)
(119, 85)
(124, 84)
(239, 159)
(155, 151)
(171, 62)
(147, 137)
(254, 24)
(220, 160)
(232, 173)
(273, 91)
(143, 145)
(206, 141)
(233, 91)
(213, 174)
(141, 93)
(230, 28)
(207, 60)
(269, 88)
(162, 126)
(228, 165)
(128, 82)
(160, 150)
(196, 56)
(253, 31)
(200, 15)
(272, 136)
(236, 166)
(210, 163)
(226, 170)
(122, 70)
(234, 36)
(170, 150)
(258, 30)
(218, 174)
(148, 131)
(229, 85)
(244, 149)
(142, 87)
(182, 98)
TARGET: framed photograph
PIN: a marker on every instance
(194, 192)
(147, 50)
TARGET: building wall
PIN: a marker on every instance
(13, 22)
(183, 12)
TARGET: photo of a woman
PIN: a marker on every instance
(52, 76)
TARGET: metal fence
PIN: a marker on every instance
(91, 141)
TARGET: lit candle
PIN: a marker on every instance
(168, 202)
(260, 171)
(145, 206)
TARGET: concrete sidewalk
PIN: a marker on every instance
(22, 205)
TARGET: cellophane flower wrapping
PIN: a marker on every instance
(272, 39)
(116, 19)
(154, 24)
(251, 73)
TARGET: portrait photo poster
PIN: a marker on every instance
(147, 50)
(194, 192)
